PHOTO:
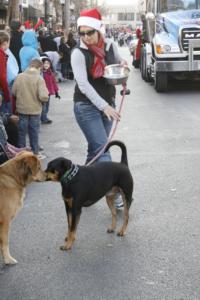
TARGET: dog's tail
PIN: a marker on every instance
(124, 159)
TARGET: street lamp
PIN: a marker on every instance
(62, 2)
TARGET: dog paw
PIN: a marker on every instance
(110, 230)
(64, 248)
(10, 261)
(120, 233)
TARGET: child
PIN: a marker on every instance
(52, 87)
(4, 89)
(30, 91)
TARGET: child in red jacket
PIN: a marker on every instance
(4, 89)
(52, 87)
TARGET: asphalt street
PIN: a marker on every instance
(159, 258)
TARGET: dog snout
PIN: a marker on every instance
(41, 176)
(46, 176)
(51, 176)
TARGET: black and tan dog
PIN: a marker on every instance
(83, 186)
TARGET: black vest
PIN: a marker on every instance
(105, 90)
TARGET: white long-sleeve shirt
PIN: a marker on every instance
(79, 68)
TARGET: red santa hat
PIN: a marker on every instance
(90, 18)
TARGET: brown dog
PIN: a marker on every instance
(15, 175)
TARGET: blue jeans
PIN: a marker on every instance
(96, 128)
(64, 67)
(29, 124)
(6, 107)
(45, 110)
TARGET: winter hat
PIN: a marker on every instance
(45, 58)
(90, 18)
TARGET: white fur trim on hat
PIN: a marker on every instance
(90, 22)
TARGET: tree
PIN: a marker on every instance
(66, 14)
(58, 10)
(80, 5)
(13, 12)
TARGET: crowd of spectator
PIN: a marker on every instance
(32, 63)
(34, 55)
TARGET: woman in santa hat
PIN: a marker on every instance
(94, 98)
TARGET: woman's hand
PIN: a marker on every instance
(111, 113)
(124, 63)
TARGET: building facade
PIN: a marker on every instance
(28, 10)
(3, 12)
(122, 16)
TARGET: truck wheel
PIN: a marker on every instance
(142, 65)
(144, 72)
(161, 82)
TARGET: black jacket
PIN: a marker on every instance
(47, 43)
(105, 90)
(66, 53)
(16, 45)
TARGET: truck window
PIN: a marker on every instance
(173, 5)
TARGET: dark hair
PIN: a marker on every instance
(71, 42)
(41, 32)
(70, 36)
(47, 59)
(15, 25)
(4, 37)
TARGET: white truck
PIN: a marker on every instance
(171, 41)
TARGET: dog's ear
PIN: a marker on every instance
(31, 163)
(28, 166)
(66, 164)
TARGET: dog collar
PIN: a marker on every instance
(69, 174)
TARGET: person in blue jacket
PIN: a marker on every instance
(29, 49)
(12, 67)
